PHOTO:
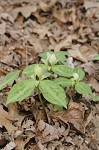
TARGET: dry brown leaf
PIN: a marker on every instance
(41, 146)
(95, 26)
(95, 133)
(42, 31)
(5, 120)
(36, 44)
(89, 118)
(22, 141)
(77, 55)
(74, 115)
(90, 4)
(60, 15)
(40, 19)
(67, 43)
(14, 114)
(26, 11)
(9, 146)
(2, 28)
(73, 18)
(35, 147)
(6, 17)
(28, 125)
(89, 68)
(48, 129)
(46, 7)
(94, 84)
(83, 147)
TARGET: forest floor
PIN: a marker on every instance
(28, 27)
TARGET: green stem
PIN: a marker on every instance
(41, 100)
(51, 74)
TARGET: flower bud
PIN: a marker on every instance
(52, 60)
(38, 71)
(76, 76)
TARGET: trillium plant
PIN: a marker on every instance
(41, 78)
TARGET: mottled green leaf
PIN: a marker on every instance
(21, 90)
(83, 88)
(60, 55)
(62, 70)
(63, 82)
(10, 77)
(44, 54)
(29, 71)
(53, 93)
(80, 72)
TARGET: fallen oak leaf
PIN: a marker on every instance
(74, 115)
(26, 11)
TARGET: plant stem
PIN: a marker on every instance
(41, 100)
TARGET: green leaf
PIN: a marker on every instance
(62, 70)
(63, 82)
(53, 93)
(96, 57)
(29, 71)
(61, 56)
(80, 72)
(44, 54)
(83, 88)
(21, 90)
(96, 98)
(57, 107)
(9, 78)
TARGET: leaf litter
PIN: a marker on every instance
(30, 27)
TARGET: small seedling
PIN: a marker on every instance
(52, 92)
